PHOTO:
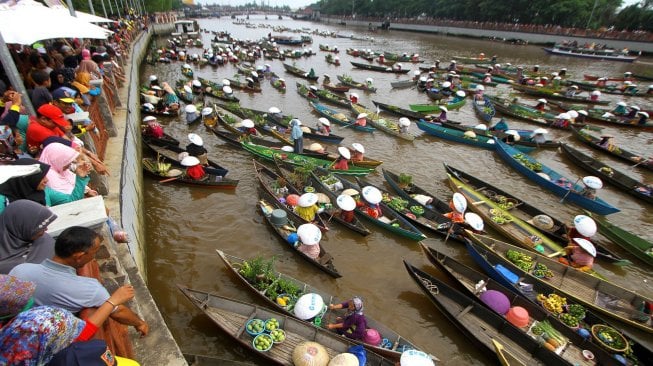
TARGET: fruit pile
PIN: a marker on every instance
(271, 324)
(534, 166)
(278, 335)
(541, 271)
(263, 342)
(523, 261)
(553, 303)
(255, 326)
(569, 320)
(499, 216)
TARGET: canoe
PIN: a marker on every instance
(608, 174)
(267, 203)
(531, 90)
(484, 109)
(482, 141)
(165, 141)
(236, 110)
(525, 136)
(269, 180)
(435, 107)
(401, 112)
(428, 220)
(437, 205)
(303, 91)
(389, 127)
(590, 53)
(551, 180)
(328, 96)
(372, 67)
(401, 226)
(401, 84)
(284, 123)
(502, 272)
(601, 296)
(299, 160)
(466, 280)
(527, 113)
(211, 181)
(331, 211)
(339, 88)
(276, 83)
(244, 86)
(613, 89)
(232, 316)
(347, 80)
(615, 151)
(299, 72)
(605, 116)
(172, 154)
(635, 245)
(281, 285)
(339, 118)
(504, 356)
(479, 324)
(216, 90)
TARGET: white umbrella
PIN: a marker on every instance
(90, 18)
(48, 23)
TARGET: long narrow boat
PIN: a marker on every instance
(271, 182)
(297, 159)
(605, 116)
(331, 210)
(637, 246)
(615, 151)
(613, 89)
(328, 96)
(479, 324)
(527, 113)
(551, 180)
(338, 88)
(525, 136)
(232, 316)
(164, 141)
(216, 90)
(401, 112)
(267, 204)
(610, 55)
(504, 356)
(531, 90)
(382, 124)
(259, 120)
(386, 69)
(484, 108)
(390, 220)
(451, 134)
(523, 210)
(210, 181)
(435, 107)
(339, 118)
(347, 80)
(413, 190)
(172, 154)
(468, 278)
(401, 84)
(601, 296)
(304, 92)
(234, 264)
(256, 88)
(427, 219)
(299, 72)
(607, 174)
(502, 272)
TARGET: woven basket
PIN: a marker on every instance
(597, 328)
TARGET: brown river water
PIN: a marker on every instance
(185, 225)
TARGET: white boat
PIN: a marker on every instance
(186, 29)
(602, 54)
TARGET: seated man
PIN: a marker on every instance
(58, 284)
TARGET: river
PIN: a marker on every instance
(185, 225)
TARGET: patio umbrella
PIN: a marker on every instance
(28, 22)
(90, 18)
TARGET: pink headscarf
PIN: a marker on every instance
(59, 156)
(86, 54)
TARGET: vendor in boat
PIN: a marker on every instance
(152, 127)
(397, 66)
(458, 205)
(607, 142)
(541, 105)
(208, 117)
(347, 205)
(595, 95)
(487, 78)
(336, 61)
(196, 148)
(368, 83)
(372, 197)
(539, 136)
(357, 152)
(443, 114)
(460, 95)
(452, 66)
(632, 112)
(317, 148)
(307, 207)
(361, 120)
(309, 236)
(582, 116)
(353, 98)
(590, 185)
(571, 91)
(478, 92)
(342, 163)
(196, 86)
(250, 83)
(502, 125)
(556, 82)
(416, 75)
(563, 120)
(404, 125)
(247, 127)
(580, 254)
(536, 68)
(649, 90)
(154, 80)
(326, 79)
(194, 169)
(297, 136)
(312, 92)
(354, 324)
(311, 74)
(323, 127)
(620, 109)
(601, 82)
(643, 117)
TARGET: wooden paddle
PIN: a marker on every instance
(570, 189)
(169, 179)
(642, 161)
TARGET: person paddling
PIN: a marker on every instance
(354, 323)
(342, 161)
(458, 205)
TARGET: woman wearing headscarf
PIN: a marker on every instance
(22, 234)
(34, 187)
(33, 336)
(354, 324)
(63, 160)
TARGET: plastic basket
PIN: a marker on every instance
(266, 330)
(597, 328)
(278, 330)
(260, 336)
(252, 322)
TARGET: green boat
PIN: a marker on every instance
(299, 160)
(639, 247)
(435, 107)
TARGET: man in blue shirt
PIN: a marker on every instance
(296, 135)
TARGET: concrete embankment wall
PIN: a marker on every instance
(481, 33)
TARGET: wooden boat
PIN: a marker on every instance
(232, 316)
(347, 80)
(216, 90)
(372, 67)
(297, 159)
(267, 203)
(326, 95)
(244, 86)
(601, 296)
(480, 324)
(165, 141)
(382, 124)
(605, 116)
(509, 276)
(551, 180)
(259, 120)
(408, 192)
(610, 78)
(284, 122)
(299, 72)
(467, 279)
(339, 88)
(504, 356)
(607, 174)
(402, 84)
(339, 118)
(178, 175)
(329, 59)
(525, 136)
(528, 113)
(539, 92)
(171, 153)
(277, 82)
(270, 181)
(435, 107)
(305, 92)
(390, 217)
(484, 108)
(396, 341)
(612, 89)
(301, 180)
(637, 246)
(482, 141)
(401, 112)
(615, 151)
(604, 54)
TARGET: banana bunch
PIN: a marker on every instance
(553, 303)
(162, 167)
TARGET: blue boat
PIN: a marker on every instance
(551, 180)
(463, 137)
